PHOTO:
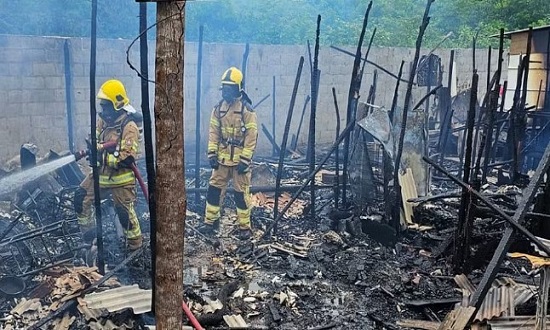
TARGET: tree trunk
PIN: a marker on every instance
(170, 184)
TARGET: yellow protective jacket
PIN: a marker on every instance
(233, 133)
(114, 171)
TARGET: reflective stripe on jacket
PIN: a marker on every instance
(126, 133)
(233, 133)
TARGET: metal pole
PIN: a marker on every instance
(198, 117)
(285, 137)
(148, 136)
(93, 119)
(69, 94)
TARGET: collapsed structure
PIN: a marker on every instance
(405, 221)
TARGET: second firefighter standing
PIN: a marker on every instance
(232, 139)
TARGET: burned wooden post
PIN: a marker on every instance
(311, 176)
(198, 118)
(508, 236)
(396, 93)
(93, 135)
(388, 164)
(148, 137)
(274, 151)
(271, 140)
(489, 54)
(487, 108)
(170, 198)
(465, 217)
(69, 93)
(285, 137)
(408, 95)
(295, 143)
(337, 153)
(446, 122)
(244, 64)
(521, 122)
(313, 114)
(353, 96)
(262, 100)
(493, 107)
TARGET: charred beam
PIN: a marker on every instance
(465, 218)
(273, 111)
(311, 176)
(148, 137)
(285, 136)
(198, 117)
(295, 143)
(408, 96)
(353, 96)
(381, 68)
(313, 113)
(93, 118)
(337, 153)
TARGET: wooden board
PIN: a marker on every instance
(457, 319)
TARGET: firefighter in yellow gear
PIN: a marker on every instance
(232, 140)
(115, 124)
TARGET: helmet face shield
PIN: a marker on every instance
(230, 92)
(108, 111)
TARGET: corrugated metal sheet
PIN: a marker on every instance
(498, 302)
(121, 298)
(514, 323)
(501, 298)
(545, 242)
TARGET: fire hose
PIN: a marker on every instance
(109, 146)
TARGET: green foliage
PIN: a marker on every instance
(286, 21)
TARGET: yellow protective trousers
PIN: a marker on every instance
(124, 198)
(216, 190)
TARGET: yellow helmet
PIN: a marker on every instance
(233, 76)
(113, 90)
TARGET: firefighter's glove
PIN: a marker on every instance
(214, 162)
(112, 161)
(243, 168)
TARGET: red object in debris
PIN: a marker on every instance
(191, 317)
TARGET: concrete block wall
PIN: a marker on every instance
(32, 85)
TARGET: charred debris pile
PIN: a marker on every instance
(426, 215)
